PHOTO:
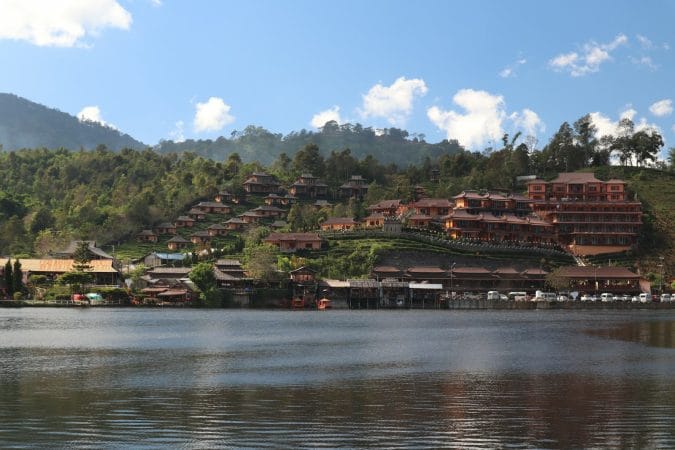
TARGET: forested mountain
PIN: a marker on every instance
(391, 145)
(25, 124)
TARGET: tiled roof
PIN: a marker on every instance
(592, 272)
(576, 177)
(433, 202)
(339, 221)
(179, 240)
(62, 265)
(293, 237)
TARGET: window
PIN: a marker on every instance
(308, 245)
(614, 188)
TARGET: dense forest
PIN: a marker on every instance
(25, 124)
(390, 145)
(49, 196)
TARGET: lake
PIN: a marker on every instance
(97, 377)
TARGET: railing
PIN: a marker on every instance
(458, 244)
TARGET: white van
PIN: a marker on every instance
(545, 296)
(607, 297)
(493, 295)
(517, 295)
(645, 297)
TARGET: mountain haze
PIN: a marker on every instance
(25, 124)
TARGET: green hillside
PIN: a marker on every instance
(25, 124)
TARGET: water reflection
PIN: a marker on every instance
(256, 379)
(429, 411)
(657, 333)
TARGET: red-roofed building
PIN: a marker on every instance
(339, 224)
(434, 207)
(290, 242)
(387, 208)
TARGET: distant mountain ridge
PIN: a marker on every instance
(26, 124)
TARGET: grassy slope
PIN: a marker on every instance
(656, 190)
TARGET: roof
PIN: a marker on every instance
(217, 226)
(576, 177)
(615, 181)
(293, 237)
(72, 247)
(420, 217)
(228, 262)
(172, 293)
(62, 265)
(235, 220)
(385, 204)
(268, 208)
(433, 202)
(195, 211)
(179, 239)
(339, 221)
(222, 276)
(165, 270)
(212, 205)
(303, 269)
(185, 218)
(204, 234)
(171, 256)
(386, 269)
(426, 286)
(250, 213)
(462, 213)
(423, 269)
(469, 194)
(472, 270)
(596, 272)
(146, 233)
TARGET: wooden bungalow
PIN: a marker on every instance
(197, 214)
(213, 208)
(177, 242)
(200, 237)
(250, 217)
(261, 183)
(387, 208)
(185, 222)
(355, 187)
(269, 211)
(339, 224)
(434, 207)
(290, 242)
(419, 221)
(217, 230)
(223, 196)
(146, 236)
(308, 186)
(374, 220)
(235, 224)
(273, 200)
(165, 228)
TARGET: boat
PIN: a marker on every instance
(297, 303)
(322, 304)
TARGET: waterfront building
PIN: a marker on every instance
(102, 270)
(593, 280)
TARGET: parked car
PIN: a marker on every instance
(666, 298)
(635, 299)
(562, 298)
(625, 298)
(645, 298)
(606, 297)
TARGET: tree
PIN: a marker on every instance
(261, 262)
(203, 277)
(17, 277)
(646, 145)
(309, 160)
(81, 257)
(9, 279)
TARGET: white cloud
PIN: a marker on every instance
(662, 107)
(510, 70)
(319, 119)
(212, 115)
(528, 121)
(644, 61)
(394, 102)
(644, 42)
(93, 114)
(483, 120)
(178, 134)
(63, 23)
(607, 127)
(591, 58)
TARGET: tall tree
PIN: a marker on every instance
(17, 277)
(308, 159)
(8, 276)
(82, 257)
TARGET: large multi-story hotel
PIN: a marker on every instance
(586, 211)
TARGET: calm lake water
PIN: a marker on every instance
(92, 378)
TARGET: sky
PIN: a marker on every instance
(470, 70)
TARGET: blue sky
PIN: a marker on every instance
(472, 70)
